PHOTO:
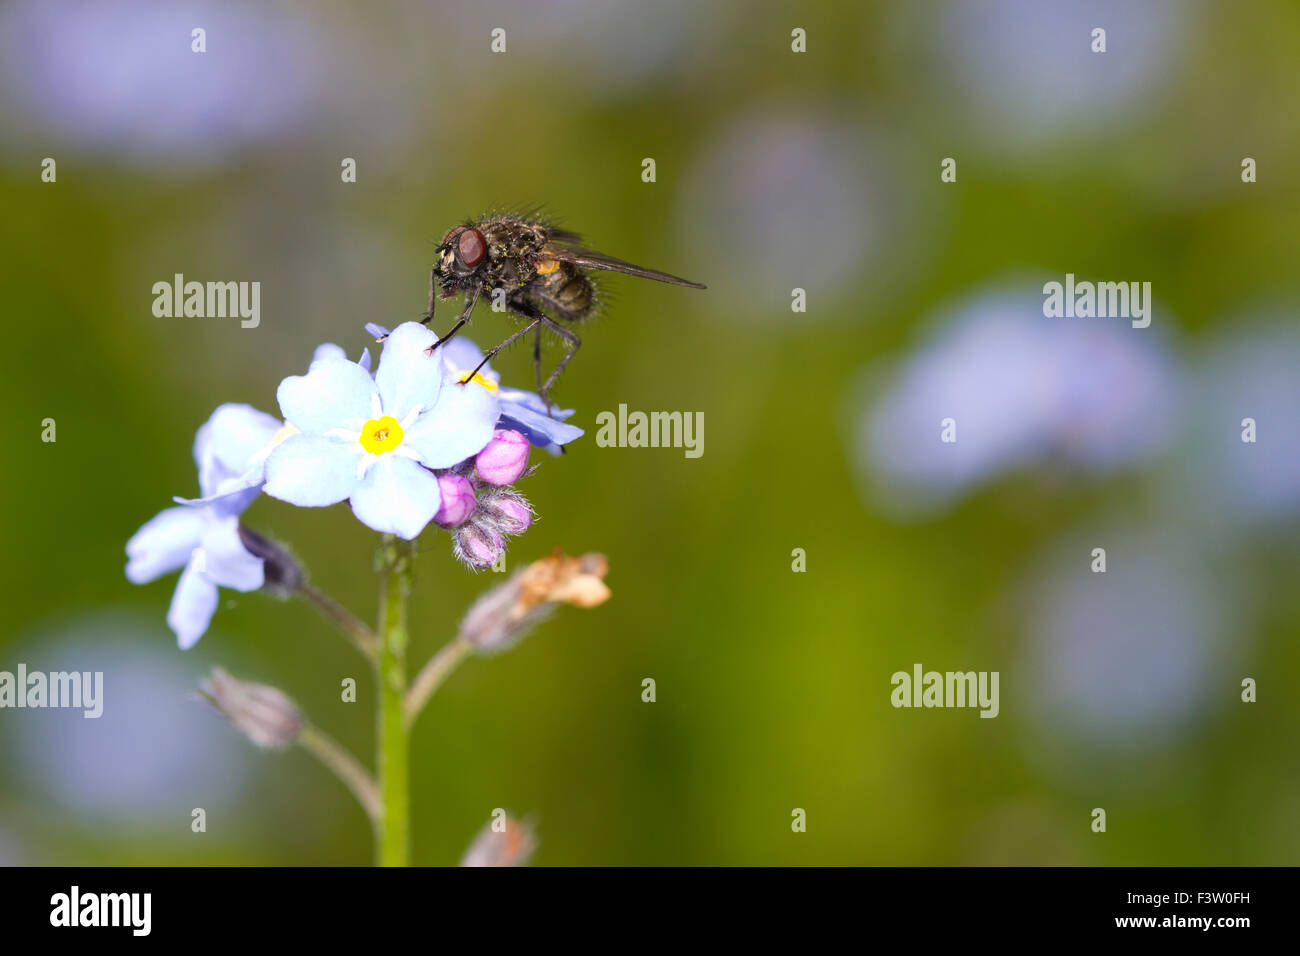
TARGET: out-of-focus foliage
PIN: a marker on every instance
(775, 170)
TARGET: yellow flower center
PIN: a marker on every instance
(380, 435)
(464, 378)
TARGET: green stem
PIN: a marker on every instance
(393, 846)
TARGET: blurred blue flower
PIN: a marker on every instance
(151, 751)
(1090, 395)
(522, 411)
(623, 45)
(1125, 659)
(1023, 72)
(1249, 371)
(805, 199)
(203, 539)
(123, 77)
(373, 440)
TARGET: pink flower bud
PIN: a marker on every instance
(504, 459)
(457, 500)
(508, 510)
(478, 544)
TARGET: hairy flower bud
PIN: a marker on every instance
(478, 544)
(283, 575)
(457, 500)
(263, 714)
(507, 509)
(504, 459)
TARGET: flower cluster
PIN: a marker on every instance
(424, 438)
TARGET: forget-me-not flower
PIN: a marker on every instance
(203, 539)
(245, 439)
(525, 412)
(373, 441)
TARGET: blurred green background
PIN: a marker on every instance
(775, 170)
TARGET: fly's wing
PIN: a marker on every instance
(563, 236)
(561, 251)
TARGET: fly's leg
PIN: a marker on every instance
(531, 311)
(494, 350)
(433, 289)
(537, 356)
(574, 343)
(471, 299)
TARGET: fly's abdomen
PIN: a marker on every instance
(565, 290)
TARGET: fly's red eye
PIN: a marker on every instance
(471, 247)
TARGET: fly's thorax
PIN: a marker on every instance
(511, 238)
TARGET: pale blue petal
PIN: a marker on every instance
(408, 377)
(211, 471)
(514, 396)
(541, 430)
(378, 331)
(225, 443)
(193, 605)
(225, 561)
(328, 351)
(364, 361)
(396, 496)
(456, 428)
(234, 495)
(333, 394)
(311, 472)
(461, 356)
(163, 544)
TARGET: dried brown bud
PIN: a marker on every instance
(565, 580)
(263, 714)
(504, 614)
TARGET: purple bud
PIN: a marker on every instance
(457, 500)
(504, 459)
(508, 510)
(478, 544)
(282, 574)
